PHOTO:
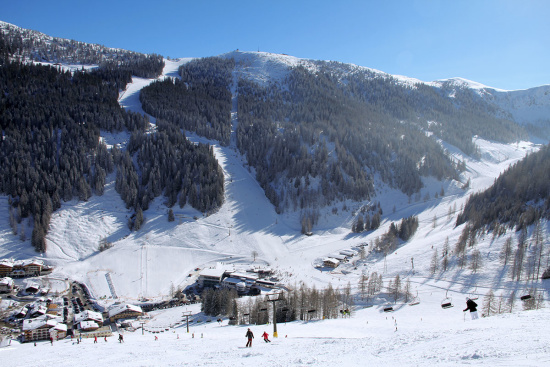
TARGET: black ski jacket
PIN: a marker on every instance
(470, 305)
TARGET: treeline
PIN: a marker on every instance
(24, 44)
(300, 303)
(517, 198)
(220, 302)
(200, 101)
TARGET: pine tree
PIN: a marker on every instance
(434, 264)
(396, 287)
(506, 251)
(171, 217)
(139, 219)
(445, 259)
(475, 262)
(407, 290)
(363, 285)
(511, 301)
(489, 304)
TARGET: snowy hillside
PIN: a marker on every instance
(148, 262)
(161, 255)
(425, 336)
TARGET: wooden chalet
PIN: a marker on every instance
(330, 262)
(124, 311)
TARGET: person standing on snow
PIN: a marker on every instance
(471, 305)
(265, 335)
(250, 336)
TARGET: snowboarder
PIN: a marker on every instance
(265, 335)
(250, 336)
(120, 338)
(471, 305)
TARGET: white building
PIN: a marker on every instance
(88, 315)
(42, 328)
(210, 277)
(6, 285)
(234, 283)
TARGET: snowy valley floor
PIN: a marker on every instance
(369, 337)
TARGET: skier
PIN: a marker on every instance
(266, 337)
(95, 339)
(471, 305)
(120, 338)
(250, 336)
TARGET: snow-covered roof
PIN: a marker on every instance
(88, 315)
(33, 324)
(234, 281)
(348, 252)
(243, 275)
(37, 323)
(331, 260)
(60, 327)
(212, 273)
(338, 257)
(86, 325)
(7, 281)
(115, 310)
(32, 285)
(39, 309)
(10, 263)
(7, 262)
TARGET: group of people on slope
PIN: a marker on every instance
(250, 335)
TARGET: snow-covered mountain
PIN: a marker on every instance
(247, 232)
(523, 106)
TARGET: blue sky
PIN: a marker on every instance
(503, 44)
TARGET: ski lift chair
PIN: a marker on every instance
(447, 302)
(388, 308)
(525, 297)
(415, 300)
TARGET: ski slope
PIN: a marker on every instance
(424, 337)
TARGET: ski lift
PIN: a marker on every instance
(447, 301)
(415, 300)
